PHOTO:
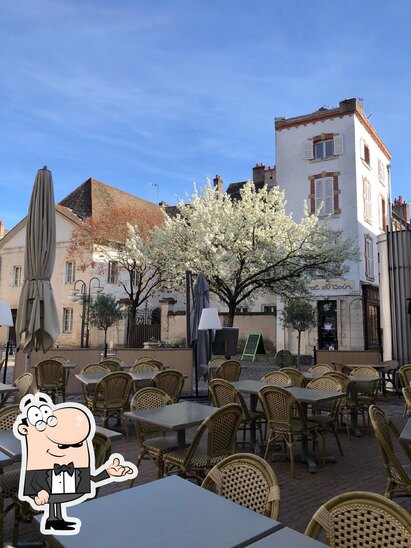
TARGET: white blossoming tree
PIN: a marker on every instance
(249, 245)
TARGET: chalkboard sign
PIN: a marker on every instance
(254, 345)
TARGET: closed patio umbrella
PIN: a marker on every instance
(200, 338)
(37, 317)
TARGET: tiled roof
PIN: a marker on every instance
(93, 197)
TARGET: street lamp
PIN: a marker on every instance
(84, 294)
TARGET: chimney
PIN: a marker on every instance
(163, 204)
(2, 229)
(401, 209)
(258, 173)
(218, 183)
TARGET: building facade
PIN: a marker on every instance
(334, 161)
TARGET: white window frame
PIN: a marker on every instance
(112, 272)
(382, 212)
(381, 172)
(324, 148)
(324, 196)
(363, 146)
(67, 323)
(70, 272)
(310, 148)
(17, 276)
(369, 256)
(367, 199)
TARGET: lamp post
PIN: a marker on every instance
(84, 293)
(6, 319)
(209, 320)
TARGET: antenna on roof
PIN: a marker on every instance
(157, 186)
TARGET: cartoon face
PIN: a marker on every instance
(55, 436)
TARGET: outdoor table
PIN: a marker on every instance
(11, 446)
(5, 391)
(177, 416)
(91, 379)
(5, 459)
(305, 396)
(170, 512)
(405, 435)
(287, 538)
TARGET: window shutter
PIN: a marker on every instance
(319, 196)
(308, 150)
(369, 258)
(380, 221)
(338, 145)
(362, 148)
(328, 196)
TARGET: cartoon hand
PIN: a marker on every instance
(42, 498)
(116, 469)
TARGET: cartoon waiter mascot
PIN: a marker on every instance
(57, 468)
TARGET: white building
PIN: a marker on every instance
(334, 159)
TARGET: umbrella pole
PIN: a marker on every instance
(196, 368)
(6, 359)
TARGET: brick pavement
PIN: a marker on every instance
(360, 468)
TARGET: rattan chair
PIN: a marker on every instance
(171, 382)
(358, 519)
(285, 419)
(406, 392)
(111, 397)
(319, 369)
(367, 382)
(143, 359)
(159, 365)
(349, 404)
(152, 448)
(51, 378)
(140, 367)
(213, 364)
(9, 481)
(248, 480)
(113, 365)
(90, 369)
(112, 359)
(222, 393)
(277, 378)
(297, 378)
(398, 475)
(325, 413)
(23, 383)
(61, 359)
(404, 374)
(221, 431)
(229, 370)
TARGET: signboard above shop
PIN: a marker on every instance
(334, 287)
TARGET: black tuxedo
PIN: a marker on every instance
(38, 480)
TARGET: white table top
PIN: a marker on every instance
(171, 512)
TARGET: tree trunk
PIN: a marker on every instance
(231, 315)
(131, 320)
(298, 350)
(105, 336)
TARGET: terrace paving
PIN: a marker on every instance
(360, 468)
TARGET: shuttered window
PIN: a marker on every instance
(67, 320)
(323, 146)
(367, 200)
(324, 195)
(369, 256)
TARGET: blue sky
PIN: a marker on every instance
(150, 96)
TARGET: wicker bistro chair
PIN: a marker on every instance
(221, 430)
(9, 481)
(349, 404)
(284, 358)
(248, 480)
(285, 419)
(404, 374)
(325, 413)
(139, 367)
(92, 368)
(319, 369)
(159, 365)
(152, 448)
(23, 383)
(171, 382)
(406, 392)
(111, 397)
(398, 475)
(297, 378)
(222, 393)
(61, 359)
(51, 378)
(367, 382)
(228, 370)
(357, 519)
(277, 378)
(113, 365)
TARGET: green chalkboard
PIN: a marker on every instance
(254, 345)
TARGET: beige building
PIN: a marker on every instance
(89, 199)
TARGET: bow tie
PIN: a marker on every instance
(58, 469)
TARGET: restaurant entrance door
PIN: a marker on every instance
(327, 325)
